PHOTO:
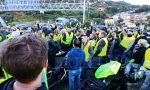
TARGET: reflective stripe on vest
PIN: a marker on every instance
(86, 50)
(104, 49)
(6, 76)
(68, 38)
(45, 76)
(146, 63)
(126, 41)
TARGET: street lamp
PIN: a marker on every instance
(41, 14)
(84, 12)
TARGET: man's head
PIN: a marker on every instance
(102, 34)
(24, 57)
(76, 43)
(130, 32)
(84, 39)
(78, 33)
(143, 42)
(39, 31)
(91, 36)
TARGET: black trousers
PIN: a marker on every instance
(51, 60)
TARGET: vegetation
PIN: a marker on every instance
(94, 12)
(144, 8)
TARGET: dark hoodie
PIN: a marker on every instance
(8, 85)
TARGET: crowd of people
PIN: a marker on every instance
(86, 49)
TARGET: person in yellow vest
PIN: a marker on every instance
(119, 34)
(56, 36)
(146, 68)
(130, 49)
(67, 38)
(92, 41)
(136, 34)
(124, 44)
(89, 52)
(100, 50)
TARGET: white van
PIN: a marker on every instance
(62, 21)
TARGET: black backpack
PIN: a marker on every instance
(93, 84)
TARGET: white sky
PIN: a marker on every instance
(136, 2)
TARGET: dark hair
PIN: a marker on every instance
(110, 36)
(24, 57)
(104, 33)
(77, 43)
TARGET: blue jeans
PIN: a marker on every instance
(74, 79)
(146, 83)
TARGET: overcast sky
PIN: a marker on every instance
(136, 2)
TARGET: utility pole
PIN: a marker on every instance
(84, 12)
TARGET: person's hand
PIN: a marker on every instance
(126, 51)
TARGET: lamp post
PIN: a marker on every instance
(84, 12)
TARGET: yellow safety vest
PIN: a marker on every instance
(68, 38)
(45, 77)
(86, 50)
(92, 43)
(126, 41)
(6, 76)
(104, 50)
(43, 36)
(146, 63)
(8, 36)
(1, 38)
(119, 35)
(56, 37)
(136, 35)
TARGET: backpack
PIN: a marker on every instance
(93, 84)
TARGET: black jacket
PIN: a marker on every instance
(8, 85)
(135, 42)
(53, 46)
(139, 55)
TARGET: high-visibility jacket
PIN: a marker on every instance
(119, 35)
(44, 36)
(56, 37)
(136, 35)
(69, 38)
(6, 76)
(86, 50)
(1, 38)
(104, 49)
(146, 63)
(126, 41)
(8, 36)
(92, 43)
(44, 71)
